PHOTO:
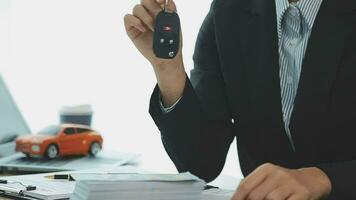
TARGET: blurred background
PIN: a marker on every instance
(68, 52)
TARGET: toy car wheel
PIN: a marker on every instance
(94, 148)
(52, 151)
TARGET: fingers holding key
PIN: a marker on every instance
(143, 14)
(149, 9)
(134, 26)
(156, 6)
(170, 5)
(140, 25)
(152, 6)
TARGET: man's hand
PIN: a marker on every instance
(271, 182)
(170, 73)
(140, 27)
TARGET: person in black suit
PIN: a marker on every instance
(284, 88)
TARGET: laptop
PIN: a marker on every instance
(12, 123)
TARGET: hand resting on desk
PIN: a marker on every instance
(272, 182)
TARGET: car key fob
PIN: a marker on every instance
(166, 35)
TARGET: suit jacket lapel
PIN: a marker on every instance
(323, 56)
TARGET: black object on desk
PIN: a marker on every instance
(208, 187)
(61, 177)
(27, 187)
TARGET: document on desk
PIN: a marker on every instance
(122, 183)
(46, 189)
(217, 194)
(137, 187)
(53, 189)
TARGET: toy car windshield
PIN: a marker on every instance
(51, 130)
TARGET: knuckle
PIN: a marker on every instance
(137, 8)
(129, 21)
(268, 166)
(127, 17)
(254, 196)
(145, 2)
(243, 188)
(273, 196)
(281, 173)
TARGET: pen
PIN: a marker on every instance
(208, 187)
(61, 177)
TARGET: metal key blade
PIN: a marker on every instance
(165, 5)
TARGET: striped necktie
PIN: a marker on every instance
(291, 36)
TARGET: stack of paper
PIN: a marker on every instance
(137, 186)
(217, 194)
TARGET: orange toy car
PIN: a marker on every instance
(61, 140)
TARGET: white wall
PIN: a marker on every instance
(55, 53)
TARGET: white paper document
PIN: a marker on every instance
(111, 177)
(46, 189)
(217, 194)
(184, 186)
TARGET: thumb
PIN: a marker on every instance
(170, 6)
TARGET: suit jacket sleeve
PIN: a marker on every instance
(343, 179)
(198, 132)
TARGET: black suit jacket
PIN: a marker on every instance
(234, 91)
